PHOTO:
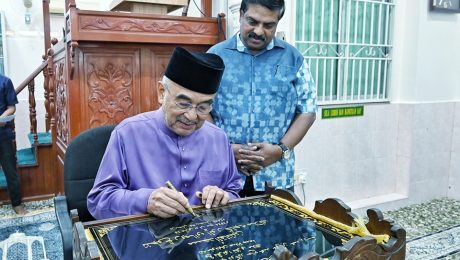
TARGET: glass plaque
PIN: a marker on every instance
(246, 229)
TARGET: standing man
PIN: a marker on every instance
(174, 143)
(8, 101)
(267, 99)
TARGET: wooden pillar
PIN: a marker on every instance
(206, 6)
(46, 25)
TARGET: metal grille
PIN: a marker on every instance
(348, 46)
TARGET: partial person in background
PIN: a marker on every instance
(174, 143)
(8, 101)
(266, 102)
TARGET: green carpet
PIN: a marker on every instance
(43, 138)
(26, 157)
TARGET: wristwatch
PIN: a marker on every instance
(285, 150)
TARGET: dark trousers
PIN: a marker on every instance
(8, 163)
(248, 189)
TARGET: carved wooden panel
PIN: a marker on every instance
(141, 25)
(62, 123)
(159, 58)
(112, 86)
(146, 28)
(158, 62)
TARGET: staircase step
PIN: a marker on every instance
(26, 157)
(2, 179)
(43, 138)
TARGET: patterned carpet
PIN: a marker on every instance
(433, 228)
(39, 224)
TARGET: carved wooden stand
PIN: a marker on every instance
(357, 247)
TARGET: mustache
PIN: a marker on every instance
(184, 120)
(255, 36)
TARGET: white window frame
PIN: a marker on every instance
(349, 63)
(4, 58)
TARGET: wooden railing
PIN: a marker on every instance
(30, 83)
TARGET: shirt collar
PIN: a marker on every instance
(240, 45)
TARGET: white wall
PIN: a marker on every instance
(426, 54)
(454, 176)
(25, 46)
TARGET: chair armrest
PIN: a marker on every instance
(65, 225)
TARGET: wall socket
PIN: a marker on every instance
(300, 177)
(303, 177)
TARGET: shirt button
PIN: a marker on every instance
(183, 149)
(185, 167)
(185, 185)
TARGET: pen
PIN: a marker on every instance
(189, 209)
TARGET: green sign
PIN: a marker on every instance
(335, 112)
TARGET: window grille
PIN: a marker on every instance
(2, 44)
(348, 46)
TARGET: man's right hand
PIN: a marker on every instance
(246, 159)
(165, 203)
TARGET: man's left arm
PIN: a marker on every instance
(9, 111)
(298, 129)
(296, 132)
(11, 100)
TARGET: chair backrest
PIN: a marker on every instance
(81, 163)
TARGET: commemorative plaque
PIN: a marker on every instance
(250, 228)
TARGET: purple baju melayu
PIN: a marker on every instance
(143, 153)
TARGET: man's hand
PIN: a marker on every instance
(254, 157)
(270, 152)
(165, 203)
(213, 196)
(247, 159)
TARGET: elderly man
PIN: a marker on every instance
(267, 99)
(173, 143)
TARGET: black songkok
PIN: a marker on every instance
(199, 72)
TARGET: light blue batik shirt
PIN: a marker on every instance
(259, 97)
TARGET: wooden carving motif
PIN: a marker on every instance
(62, 127)
(73, 47)
(142, 25)
(110, 93)
(364, 248)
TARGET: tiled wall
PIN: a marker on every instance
(395, 155)
(454, 177)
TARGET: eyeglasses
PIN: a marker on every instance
(202, 108)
